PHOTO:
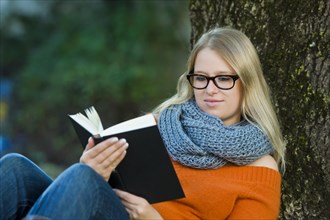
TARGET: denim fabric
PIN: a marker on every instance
(21, 184)
(78, 193)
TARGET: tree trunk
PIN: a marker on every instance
(293, 41)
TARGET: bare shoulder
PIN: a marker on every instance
(265, 161)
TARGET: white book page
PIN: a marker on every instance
(132, 124)
(91, 123)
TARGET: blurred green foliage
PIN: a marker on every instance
(123, 57)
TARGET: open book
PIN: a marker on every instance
(146, 170)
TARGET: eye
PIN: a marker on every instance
(200, 78)
(223, 78)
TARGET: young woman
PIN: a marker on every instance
(220, 130)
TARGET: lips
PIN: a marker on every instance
(212, 102)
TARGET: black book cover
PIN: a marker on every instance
(146, 170)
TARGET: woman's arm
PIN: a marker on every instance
(104, 158)
(263, 202)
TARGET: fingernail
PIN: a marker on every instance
(114, 139)
(123, 141)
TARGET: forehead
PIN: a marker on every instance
(209, 61)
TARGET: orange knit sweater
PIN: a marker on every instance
(230, 192)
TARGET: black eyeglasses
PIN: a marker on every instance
(224, 82)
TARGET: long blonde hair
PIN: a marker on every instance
(237, 50)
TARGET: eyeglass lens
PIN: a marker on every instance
(201, 82)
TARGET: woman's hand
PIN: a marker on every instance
(105, 156)
(137, 207)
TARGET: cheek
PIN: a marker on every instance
(199, 97)
(198, 94)
(239, 95)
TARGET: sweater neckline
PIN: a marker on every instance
(253, 174)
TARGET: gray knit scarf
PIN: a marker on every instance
(199, 140)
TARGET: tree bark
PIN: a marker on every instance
(293, 41)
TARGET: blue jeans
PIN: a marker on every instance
(78, 193)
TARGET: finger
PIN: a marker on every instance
(115, 163)
(99, 148)
(130, 213)
(128, 197)
(114, 160)
(111, 165)
(113, 154)
(90, 144)
(110, 158)
(129, 206)
(94, 154)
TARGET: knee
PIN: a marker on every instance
(13, 160)
(13, 157)
(16, 168)
(81, 172)
(81, 178)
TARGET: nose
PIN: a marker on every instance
(212, 88)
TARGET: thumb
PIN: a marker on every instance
(90, 144)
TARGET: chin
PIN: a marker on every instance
(214, 113)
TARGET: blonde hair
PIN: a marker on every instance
(237, 50)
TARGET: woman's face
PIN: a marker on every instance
(225, 104)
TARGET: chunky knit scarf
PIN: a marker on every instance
(199, 140)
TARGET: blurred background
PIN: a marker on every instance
(59, 57)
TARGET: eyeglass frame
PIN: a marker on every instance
(191, 74)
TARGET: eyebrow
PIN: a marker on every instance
(218, 72)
